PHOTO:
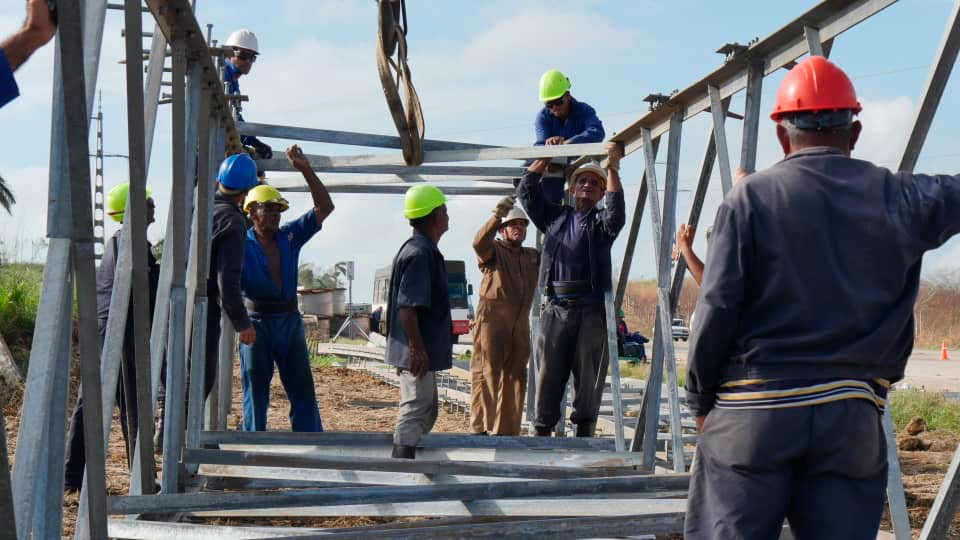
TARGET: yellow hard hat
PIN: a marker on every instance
(553, 85)
(264, 194)
(422, 199)
(116, 202)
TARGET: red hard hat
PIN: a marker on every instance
(815, 84)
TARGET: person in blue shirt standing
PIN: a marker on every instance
(564, 120)
(269, 284)
(38, 28)
(245, 51)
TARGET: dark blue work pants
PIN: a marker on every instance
(280, 341)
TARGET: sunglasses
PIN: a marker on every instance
(555, 103)
(246, 56)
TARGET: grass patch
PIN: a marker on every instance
(20, 285)
(325, 360)
(642, 371)
(939, 412)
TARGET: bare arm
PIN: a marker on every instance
(614, 153)
(685, 246)
(37, 30)
(322, 203)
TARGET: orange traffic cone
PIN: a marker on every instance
(943, 351)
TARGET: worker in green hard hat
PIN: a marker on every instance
(116, 204)
(564, 120)
(419, 327)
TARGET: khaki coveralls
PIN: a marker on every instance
(501, 334)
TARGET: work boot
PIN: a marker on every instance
(480, 433)
(585, 430)
(542, 432)
(404, 452)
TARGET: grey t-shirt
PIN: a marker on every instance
(419, 280)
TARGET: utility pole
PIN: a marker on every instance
(99, 231)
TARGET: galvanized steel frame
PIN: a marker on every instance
(37, 474)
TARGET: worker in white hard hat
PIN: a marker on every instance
(501, 334)
(245, 51)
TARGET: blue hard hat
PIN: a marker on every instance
(238, 172)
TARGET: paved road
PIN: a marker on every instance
(924, 369)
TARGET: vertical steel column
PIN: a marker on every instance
(812, 36)
(77, 128)
(718, 108)
(896, 498)
(614, 362)
(158, 56)
(662, 229)
(933, 90)
(632, 235)
(706, 170)
(198, 278)
(945, 505)
(137, 216)
(38, 467)
(532, 366)
(175, 392)
(751, 116)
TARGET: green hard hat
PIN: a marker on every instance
(116, 201)
(422, 199)
(620, 313)
(553, 85)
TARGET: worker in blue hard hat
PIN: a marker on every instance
(269, 284)
(237, 175)
(245, 49)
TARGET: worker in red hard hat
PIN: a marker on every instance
(804, 320)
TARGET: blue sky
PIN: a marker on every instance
(476, 66)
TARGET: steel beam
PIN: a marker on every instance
(402, 189)
(319, 165)
(292, 183)
(193, 502)
(151, 93)
(717, 105)
(896, 498)
(345, 137)
(933, 90)
(831, 17)
(428, 467)
(751, 116)
(371, 439)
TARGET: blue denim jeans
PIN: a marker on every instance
(280, 341)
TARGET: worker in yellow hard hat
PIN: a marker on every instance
(564, 120)
(115, 206)
(419, 327)
(269, 286)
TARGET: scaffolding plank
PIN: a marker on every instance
(431, 440)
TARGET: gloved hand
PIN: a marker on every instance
(505, 205)
(263, 150)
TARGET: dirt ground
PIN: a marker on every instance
(922, 470)
(335, 387)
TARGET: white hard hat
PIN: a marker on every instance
(590, 167)
(243, 39)
(514, 213)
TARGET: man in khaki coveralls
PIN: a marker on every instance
(501, 335)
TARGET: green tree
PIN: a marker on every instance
(7, 200)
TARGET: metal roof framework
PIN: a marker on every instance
(202, 130)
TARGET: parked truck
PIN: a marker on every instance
(457, 287)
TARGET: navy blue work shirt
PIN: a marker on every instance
(572, 260)
(233, 89)
(419, 280)
(580, 126)
(8, 85)
(256, 282)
